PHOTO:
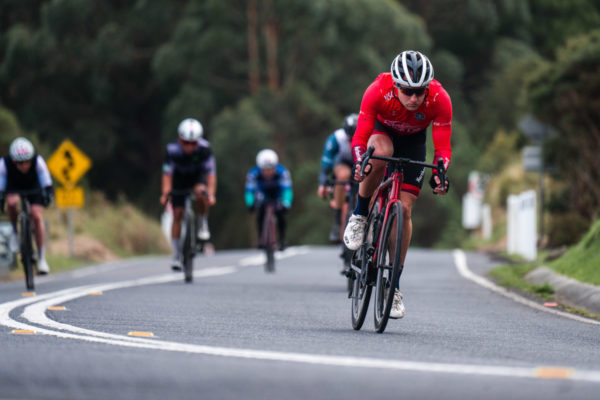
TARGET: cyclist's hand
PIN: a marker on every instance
(163, 199)
(212, 200)
(434, 182)
(323, 191)
(47, 195)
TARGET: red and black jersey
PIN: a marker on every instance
(380, 103)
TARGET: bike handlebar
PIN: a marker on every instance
(27, 192)
(441, 171)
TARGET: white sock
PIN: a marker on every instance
(41, 252)
(175, 247)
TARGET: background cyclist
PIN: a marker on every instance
(395, 112)
(269, 182)
(189, 164)
(337, 157)
(24, 170)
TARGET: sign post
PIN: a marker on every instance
(68, 164)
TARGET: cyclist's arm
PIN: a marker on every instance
(210, 166)
(330, 150)
(251, 187)
(285, 183)
(442, 129)
(2, 175)
(42, 172)
(167, 178)
(366, 120)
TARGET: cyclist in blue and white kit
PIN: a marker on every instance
(24, 170)
(269, 182)
(337, 158)
(189, 164)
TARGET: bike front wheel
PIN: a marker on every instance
(27, 252)
(363, 259)
(389, 258)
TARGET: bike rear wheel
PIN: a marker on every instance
(27, 252)
(388, 267)
(188, 251)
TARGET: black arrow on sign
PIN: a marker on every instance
(69, 167)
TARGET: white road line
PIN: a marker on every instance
(460, 260)
(36, 313)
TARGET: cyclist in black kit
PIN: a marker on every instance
(24, 170)
(189, 164)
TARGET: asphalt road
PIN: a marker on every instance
(238, 333)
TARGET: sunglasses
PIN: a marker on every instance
(410, 91)
(189, 142)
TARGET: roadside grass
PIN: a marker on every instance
(513, 276)
(581, 261)
(103, 231)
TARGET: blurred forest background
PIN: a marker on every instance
(116, 77)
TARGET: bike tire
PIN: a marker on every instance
(27, 252)
(388, 271)
(270, 241)
(187, 252)
(361, 294)
(361, 288)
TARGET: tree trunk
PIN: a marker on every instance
(271, 34)
(253, 56)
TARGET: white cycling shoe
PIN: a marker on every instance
(398, 309)
(43, 267)
(203, 232)
(176, 265)
(354, 232)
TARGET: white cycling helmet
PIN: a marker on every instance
(190, 129)
(21, 149)
(266, 158)
(412, 69)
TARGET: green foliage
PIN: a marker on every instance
(581, 261)
(117, 77)
(500, 152)
(513, 276)
(564, 93)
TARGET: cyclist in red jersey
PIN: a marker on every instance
(395, 112)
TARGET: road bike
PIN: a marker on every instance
(25, 234)
(189, 244)
(377, 264)
(268, 235)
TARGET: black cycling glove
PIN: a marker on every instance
(434, 185)
(47, 195)
(2, 201)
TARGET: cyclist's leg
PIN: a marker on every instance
(39, 232)
(354, 232)
(408, 200)
(342, 173)
(12, 209)
(412, 147)
(260, 215)
(202, 207)
(383, 147)
(280, 214)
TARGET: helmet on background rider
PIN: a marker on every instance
(190, 130)
(350, 124)
(21, 149)
(266, 158)
(411, 69)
